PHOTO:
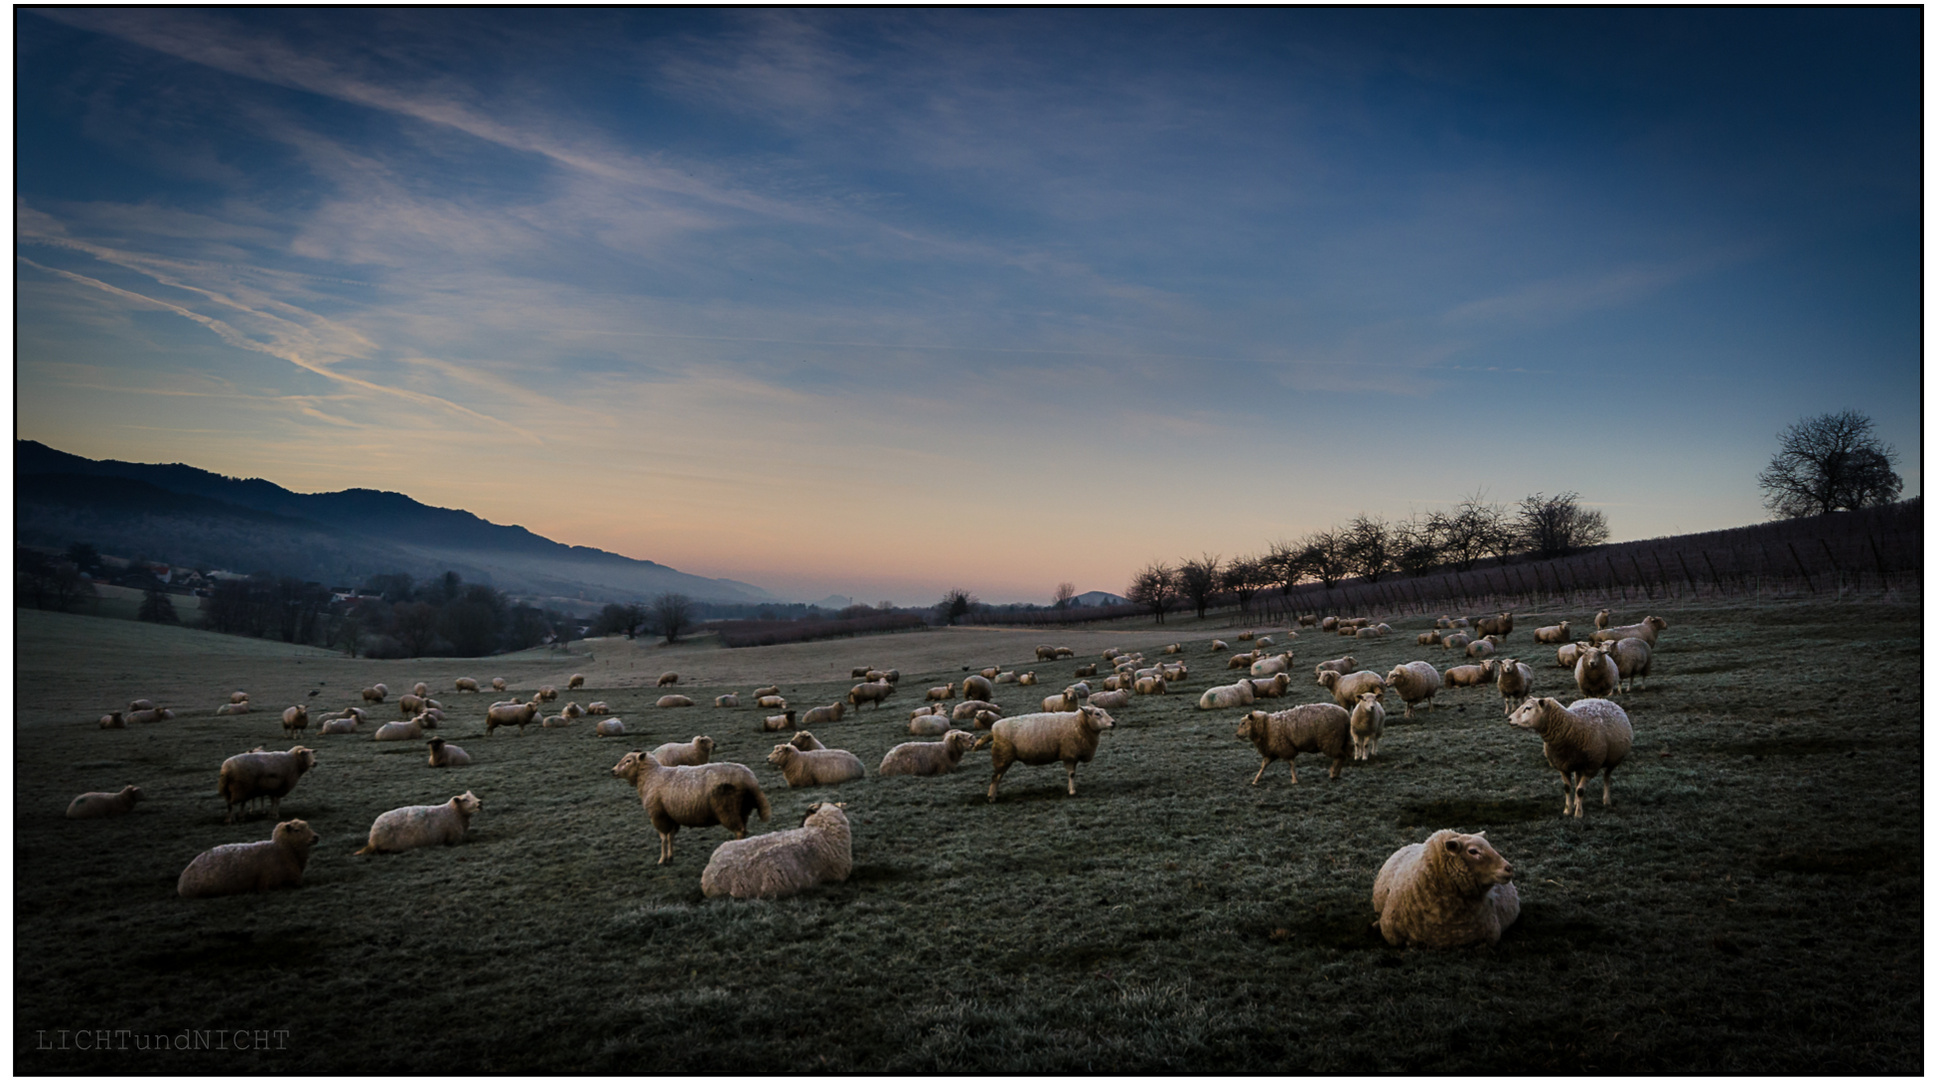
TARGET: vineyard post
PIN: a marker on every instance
(1712, 575)
(1656, 552)
(1831, 556)
(1692, 587)
(1805, 570)
(1641, 577)
(1883, 576)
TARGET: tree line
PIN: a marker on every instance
(397, 617)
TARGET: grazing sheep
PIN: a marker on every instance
(1567, 655)
(1501, 624)
(401, 730)
(941, 693)
(375, 694)
(342, 725)
(1344, 665)
(770, 701)
(1647, 630)
(1591, 735)
(670, 678)
(718, 793)
(1467, 675)
(926, 759)
(467, 686)
(242, 868)
(421, 826)
(498, 685)
(1368, 723)
(613, 726)
(1281, 736)
(978, 688)
(233, 708)
(445, 755)
(724, 701)
(969, 710)
(1515, 681)
(674, 701)
(1347, 688)
(1414, 682)
(860, 672)
(826, 714)
(1632, 657)
(259, 774)
(94, 804)
(1430, 637)
(113, 720)
(1218, 645)
(1045, 652)
(696, 751)
(876, 692)
(1452, 890)
(1596, 673)
(1040, 738)
(783, 863)
(810, 768)
(1226, 697)
(1271, 665)
(410, 705)
(1601, 619)
(505, 713)
(1479, 650)
(1553, 635)
(928, 724)
(1275, 686)
(1110, 699)
(1064, 652)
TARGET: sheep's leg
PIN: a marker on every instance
(1566, 793)
(1580, 793)
(1071, 767)
(994, 780)
(1293, 762)
(1261, 768)
(665, 848)
(1337, 764)
(1607, 787)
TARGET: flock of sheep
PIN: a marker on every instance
(1452, 889)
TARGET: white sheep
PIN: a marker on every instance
(1347, 688)
(506, 713)
(93, 804)
(1633, 657)
(242, 868)
(233, 708)
(1040, 738)
(1271, 665)
(1647, 630)
(674, 701)
(1368, 724)
(826, 714)
(926, 759)
(342, 725)
(719, 793)
(783, 863)
(766, 691)
(1601, 619)
(294, 719)
(805, 740)
(113, 720)
(1414, 682)
(1567, 655)
(1218, 645)
(400, 730)
(1553, 635)
(770, 701)
(1110, 699)
(670, 678)
(941, 693)
(1226, 697)
(598, 708)
(781, 722)
(1596, 673)
(810, 768)
(1591, 735)
(445, 755)
(1281, 736)
(610, 726)
(1006, 677)
(696, 751)
(928, 724)
(1454, 889)
(498, 685)
(1028, 678)
(1479, 650)
(727, 701)
(1514, 680)
(467, 686)
(1466, 675)
(261, 774)
(1152, 685)
(575, 682)
(409, 827)
(969, 710)
(1344, 665)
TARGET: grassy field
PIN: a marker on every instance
(1752, 901)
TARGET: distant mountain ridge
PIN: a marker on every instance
(354, 532)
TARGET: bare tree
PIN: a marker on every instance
(1065, 593)
(1415, 544)
(955, 603)
(672, 613)
(1550, 527)
(1244, 578)
(1827, 463)
(1199, 578)
(1475, 529)
(1369, 547)
(1284, 565)
(1324, 556)
(1155, 587)
(415, 626)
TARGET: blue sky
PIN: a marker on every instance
(885, 302)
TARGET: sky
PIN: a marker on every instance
(883, 303)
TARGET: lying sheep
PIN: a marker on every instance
(1596, 673)
(1632, 657)
(422, 826)
(1479, 650)
(1174, 648)
(781, 722)
(1227, 697)
(811, 768)
(1276, 686)
(1240, 661)
(1367, 632)
(467, 686)
(139, 704)
(1466, 675)
(783, 863)
(506, 713)
(430, 718)
(1152, 685)
(401, 730)
(1246, 635)
(1112, 653)
(1515, 681)
(374, 695)
(1553, 635)
(860, 672)
(1414, 682)
(1430, 637)
(727, 701)
(1501, 624)
(1271, 665)
(1281, 736)
(1040, 738)
(876, 675)
(1028, 678)
(926, 759)
(1452, 890)
(259, 774)
(719, 793)
(1007, 677)
(559, 721)
(93, 804)
(876, 692)
(941, 693)
(770, 701)
(1647, 630)
(1264, 641)
(766, 691)
(1368, 724)
(1455, 641)
(978, 688)
(928, 724)
(991, 672)
(696, 751)
(1063, 702)
(1329, 622)
(233, 708)
(113, 720)
(598, 708)
(1085, 670)
(612, 726)
(1591, 735)
(826, 714)
(409, 705)
(1110, 699)
(1352, 632)
(1567, 655)
(1347, 688)
(547, 693)
(232, 869)
(149, 716)
(1218, 645)
(674, 701)
(445, 755)
(1344, 665)
(342, 725)
(1045, 652)
(969, 710)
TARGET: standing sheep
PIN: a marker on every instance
(95, 804)
(1500, 625)
(294, 719)
(696, 751)
(1591, 735)
(1647, 630)
(241, 868)
(1281, 736)
(1601, 618)
(811, 768)
(576, 682)
(1515, 681)
(977, 688)
(1368, 724)
(927, 758)
(445, 755)
(1414, 682)
(670, 678)
(422, 826)
(1632, 657)
(720, 793)
(376, 694)
(506, 713)
(259, 774)
(498, 685)
(876, 692)
(467, 685)
(785, 862)
(1040, 738)
(1596, 673)
(1452, 890)
(1347, 688)
(1567, 655)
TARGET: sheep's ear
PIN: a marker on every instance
(1452, 843)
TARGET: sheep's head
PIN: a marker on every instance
(467, 803)
(133, 793)
(305, 757)
(435, 745)
(634, 763)
(782, 753)
(295, 833)
(1486, 866)
(1657, 622)
(1328, 678)
(1532, 713)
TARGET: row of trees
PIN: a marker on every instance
(1540, 526)
(443, 616)
(670, 614)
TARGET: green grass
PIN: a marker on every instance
(1752, 901)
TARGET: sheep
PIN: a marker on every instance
(1344, 665)
(241, 868)
(1063, 702)
(783, 863)
(1064, 652)
(1553, 635)
(94, 804)
(724, 701)
(719, 793)
(259, 773)
(233, 708)
(498, 685)
(467, 686)
(1085, 670)
(1414, 682)
(876, 692)
(696, 751)
(1040, 738)
(1384, 629)
(1241, 661)
(826, 714)
(1601, 619)
(430, 718)
(1275, 686)
(421, 826)
(1647, 630)
(400, 730)
(1515, 681)
(1112, 653)
(1217, 645)
(1110, 699)
(674, 701)
(139, 704)
(238, 697)
(1226, 697)
(969, 710)
(670, 678)
(612, 726)
(810, 768)
(1479, 650)
(1632, 657)
(941, 693)
(1466, 675)
(877, 675)
(1430, 637)
(410, 705)
(1321, 728)
(1567, 655)
(978, 688)
(1366, 632)
(445, 755)
(805, 740)
(375, 694)
(113, 720)
(1271, 665)
(1006, 677)
(598, 708)
(1246, 635)
(1454, 889)
(548, 693)
(1455, 641)
(927, 758)
(1151, 685)
(342, 725)
(559, 721)
(1171, 649)
(928, 724)
(991, 672)
(860, 672)
(1351, 632)
(1347, 688)
(1596, 673)
(1263, 641)
(1045, 652)
(1028, 678)
(1501, 624)
(505, 713)
(1368, 723)
(149, 716)
(766, 691)
(1591, 735)
(770, 701)
(1308, 620)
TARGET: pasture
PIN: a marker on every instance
(1751, 902)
